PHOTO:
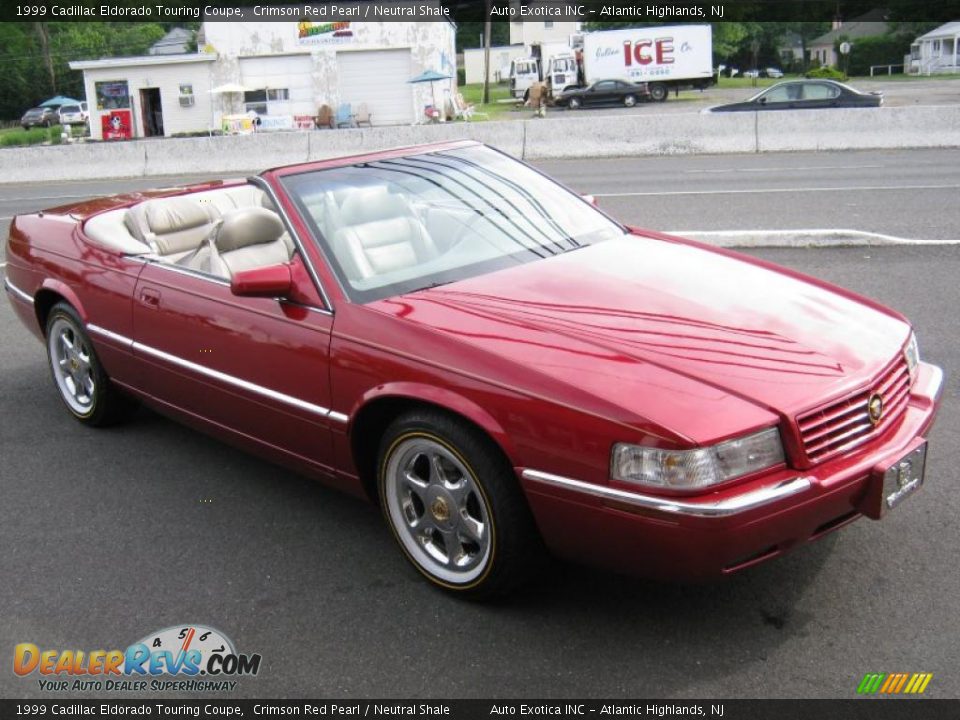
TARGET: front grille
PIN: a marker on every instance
(845, 423)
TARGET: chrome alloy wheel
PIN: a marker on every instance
(437, 509)
(72, 367)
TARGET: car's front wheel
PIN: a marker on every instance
(454, 505)
(573, 103)
(629, 100)
(77, 373)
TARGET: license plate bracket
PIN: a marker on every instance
(893, 482)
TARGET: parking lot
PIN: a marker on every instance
(110, 534)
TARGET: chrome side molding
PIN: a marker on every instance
(676, 506)
(131, 344)
(17, 292)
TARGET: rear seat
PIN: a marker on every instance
(172, 228)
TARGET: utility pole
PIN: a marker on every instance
(486, 55)
(43, 32)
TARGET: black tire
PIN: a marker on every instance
(574, 103)
(25, 127)
(658, 92)
(105, 404)
(629, 100)
(427, 520)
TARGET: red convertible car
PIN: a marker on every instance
(496, 362)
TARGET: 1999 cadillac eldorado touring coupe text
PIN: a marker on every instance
(495, 361)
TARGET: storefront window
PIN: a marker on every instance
(112, 95)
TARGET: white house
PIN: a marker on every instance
(823, 50)
(278, 69)
(936, 52)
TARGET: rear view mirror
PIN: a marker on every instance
(270, 281)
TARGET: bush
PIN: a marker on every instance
(826, 73)
(461, 77)
(881, 50)
(33, 136)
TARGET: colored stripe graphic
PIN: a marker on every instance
(894, 683)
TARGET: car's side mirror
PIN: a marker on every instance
(271, 281)
(762, 101)
(590, 199)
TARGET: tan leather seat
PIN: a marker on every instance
(380, 234)
(171, 227)
(247, 238)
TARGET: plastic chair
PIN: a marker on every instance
(345, 116)
(363, 116)
(324, 117)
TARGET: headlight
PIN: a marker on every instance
(691, 469)
(912, 354)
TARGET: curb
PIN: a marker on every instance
(801, 238)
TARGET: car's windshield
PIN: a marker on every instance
(402, 224)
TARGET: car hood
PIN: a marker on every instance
(638, 315)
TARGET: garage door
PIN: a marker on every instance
(379, 79)
(288, 80)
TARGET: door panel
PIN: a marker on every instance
(257, 366)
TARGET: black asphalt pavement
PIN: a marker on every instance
(107, 535)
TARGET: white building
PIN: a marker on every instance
(281, 69)
(500, 57)
(531, 32)
(936, 52)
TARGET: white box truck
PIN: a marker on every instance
(667, 57)
(553, 63)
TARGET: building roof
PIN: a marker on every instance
(142, 60)
(946, 30)
(174, 42)
(867, 25)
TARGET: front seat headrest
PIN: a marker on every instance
(371, 204)
(248, 226)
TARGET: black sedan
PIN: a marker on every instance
(604, 92)
(45, 116)
(803, 95)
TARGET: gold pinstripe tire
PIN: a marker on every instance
(454, 505)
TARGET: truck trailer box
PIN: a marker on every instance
(665, 54)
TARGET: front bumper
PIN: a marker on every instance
(696, 538)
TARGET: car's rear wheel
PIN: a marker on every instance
(629, 100)
(454, 506)
(573, 103)
(658, 92)
(77, 373)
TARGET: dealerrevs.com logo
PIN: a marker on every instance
(178, 658)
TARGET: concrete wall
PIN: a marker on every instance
(858, 129)
(566, 137)
(625, 135)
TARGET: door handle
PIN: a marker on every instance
(150, 297)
